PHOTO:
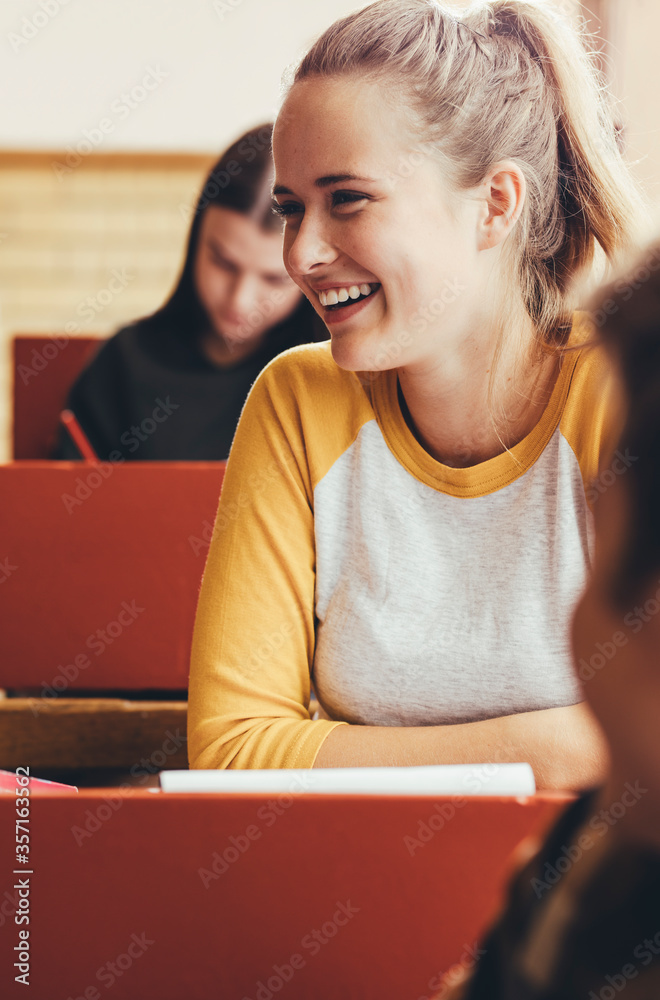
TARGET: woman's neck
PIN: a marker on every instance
(446, 404)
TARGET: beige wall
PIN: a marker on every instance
(218, 68)
(634, 27)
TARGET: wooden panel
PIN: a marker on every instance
(138, 160)
(327, 878)
(100, 592)
(92, 732)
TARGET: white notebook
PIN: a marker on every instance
(437, 779)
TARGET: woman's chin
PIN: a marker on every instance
(353, 353)
(347, 356)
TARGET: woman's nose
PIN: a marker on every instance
(308, 247)
(241, 297)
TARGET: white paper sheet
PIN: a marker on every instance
(440, 779)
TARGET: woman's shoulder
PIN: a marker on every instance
(113, 348)
(309, 356)
(144, 339)
(130, 333)
(592, 364)
(105, 363)
(592, 416)
(589, 373)
(148, 349)
(310, 371)
(302, 397)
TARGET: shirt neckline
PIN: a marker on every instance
(485, 477)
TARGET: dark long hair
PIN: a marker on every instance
(241, 180)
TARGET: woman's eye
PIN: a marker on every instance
(220, 261)
(287, 209)
(339, 199)
(346, 198)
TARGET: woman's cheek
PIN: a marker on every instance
(215, 288)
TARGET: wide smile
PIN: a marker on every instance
(342, 303)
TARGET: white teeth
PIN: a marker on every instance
(335, 295)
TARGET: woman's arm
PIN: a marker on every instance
(565, 746)
(254, 637)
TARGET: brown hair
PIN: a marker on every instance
(515, 75)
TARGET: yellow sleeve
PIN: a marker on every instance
(253, 642)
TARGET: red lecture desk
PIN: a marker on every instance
(101, 572)
(312, 896)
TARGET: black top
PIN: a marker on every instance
(150, 394)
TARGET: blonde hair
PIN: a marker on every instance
(508, 79)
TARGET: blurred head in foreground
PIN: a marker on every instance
(616, 629)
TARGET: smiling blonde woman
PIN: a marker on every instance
(404, 520)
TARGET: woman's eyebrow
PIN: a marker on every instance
(322, 182)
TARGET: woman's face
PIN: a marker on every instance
(240, 279)
(364, 207)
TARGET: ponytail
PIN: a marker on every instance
(592, 200)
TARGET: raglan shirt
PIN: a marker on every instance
(410, 592)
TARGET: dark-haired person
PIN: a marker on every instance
(583, 915)
(187, 368)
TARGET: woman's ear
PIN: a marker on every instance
(503, 191)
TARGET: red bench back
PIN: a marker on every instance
(102, 570)
(45, 368)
